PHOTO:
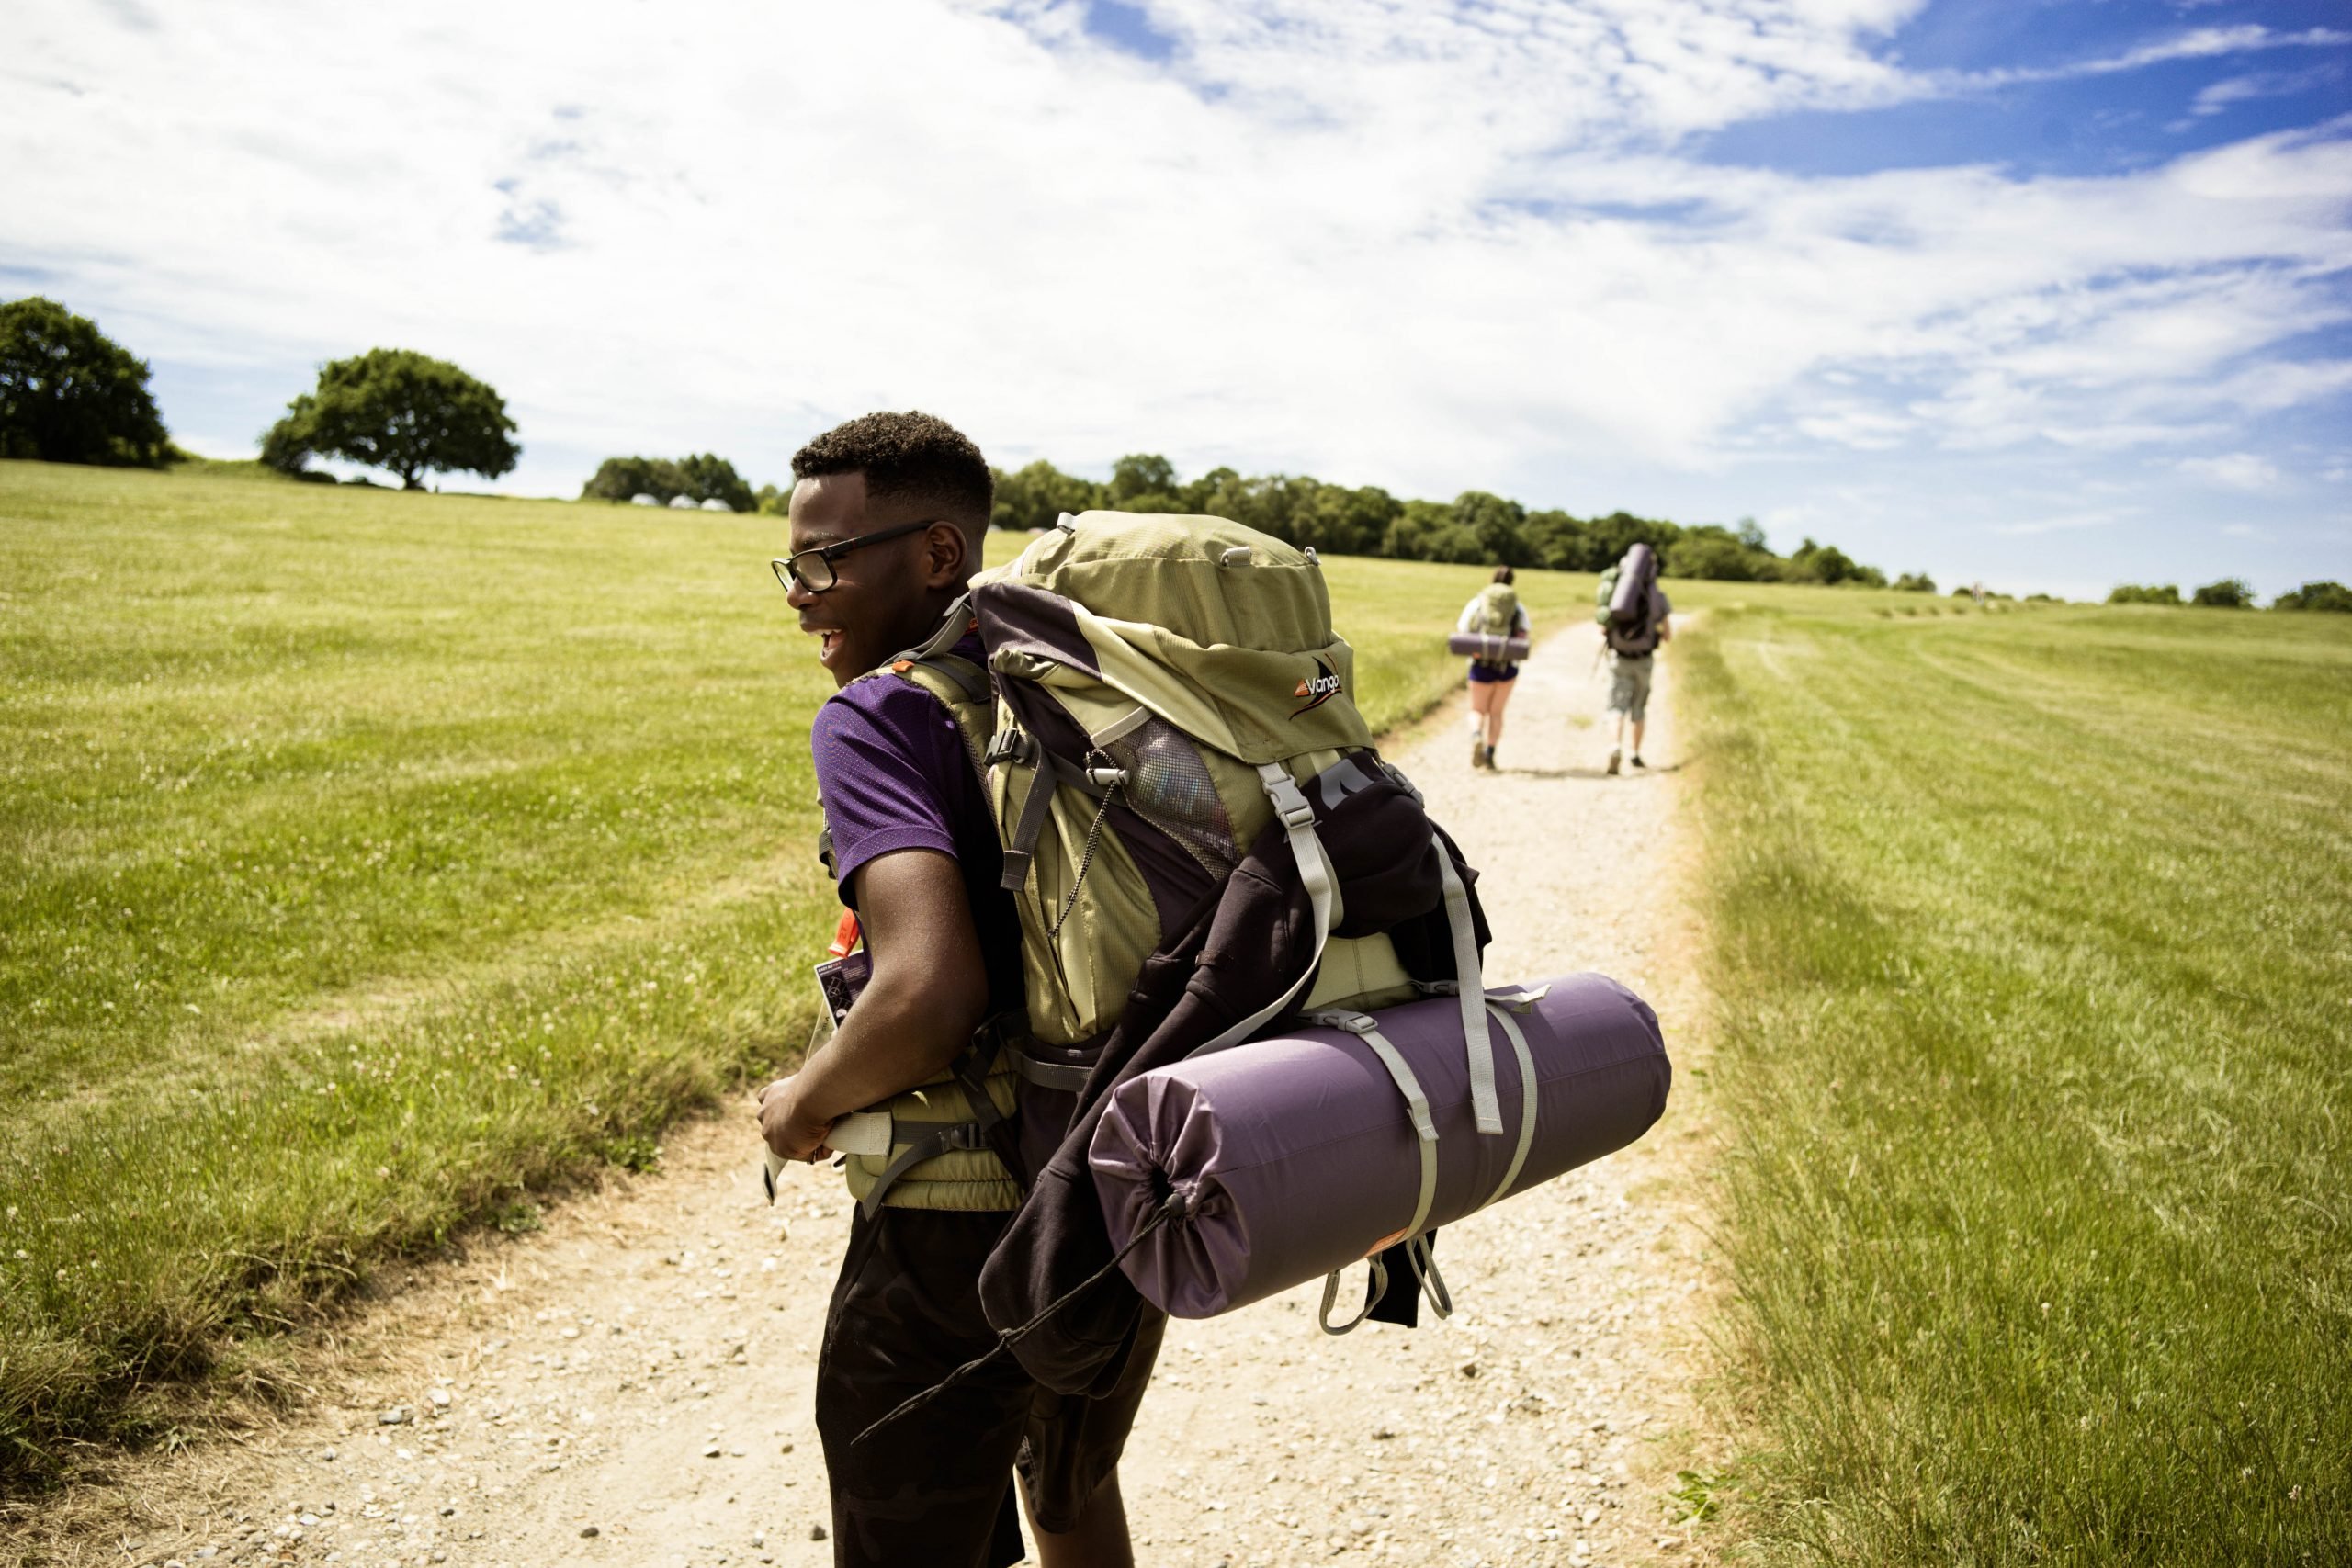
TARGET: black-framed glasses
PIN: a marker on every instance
(813, 569)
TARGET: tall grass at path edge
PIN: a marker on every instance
(2032, 938)
(375, 864)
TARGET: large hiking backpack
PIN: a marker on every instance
(1495, 617)
(1625, 601)
(1164, 685)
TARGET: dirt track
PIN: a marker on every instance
(631, 1386)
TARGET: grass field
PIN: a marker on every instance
(376, 862)
(2034, 950)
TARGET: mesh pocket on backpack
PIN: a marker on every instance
(1169, 786)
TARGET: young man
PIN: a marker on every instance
(887, 519)
(1630, 656)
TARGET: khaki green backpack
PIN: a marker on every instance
(1495, 615)
(1163, 685)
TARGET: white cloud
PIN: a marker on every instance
(1376, 239)
(2233, 470)
(2218, 96)
(2026, 527)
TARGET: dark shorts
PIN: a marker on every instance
(1486, 674)
(936, 1485)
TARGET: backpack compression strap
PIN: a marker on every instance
(1322, 894)
(1367, 1027)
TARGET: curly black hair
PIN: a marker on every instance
(909, 455)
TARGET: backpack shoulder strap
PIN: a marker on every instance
(962, 688)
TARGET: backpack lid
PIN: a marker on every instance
(1221, 630)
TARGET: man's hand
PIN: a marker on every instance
(784, 1121)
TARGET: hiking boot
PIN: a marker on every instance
(1637, 760)
(1489, 763)
(1477, 752)
(1613, 755)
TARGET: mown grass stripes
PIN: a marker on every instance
(2033, 949)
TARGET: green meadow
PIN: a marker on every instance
(2033, 946)
(378, 864)
(375, 864)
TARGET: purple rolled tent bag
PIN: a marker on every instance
(1299, 1154)
(1488, 644)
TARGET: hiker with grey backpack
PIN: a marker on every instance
(1635, 618)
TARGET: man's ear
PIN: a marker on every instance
(948, 559)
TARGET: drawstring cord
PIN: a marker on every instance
(1172, 1207)
(1093, 834)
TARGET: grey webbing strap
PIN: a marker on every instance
(952, 627)
(1518, 1038)
(951, 630)
(957, 1135)
(1470, 987)
(1067, 1076)
(1322, 892)
(1424, 1262)
(1417, 1100)
(1378, 1288)
(1025, 832)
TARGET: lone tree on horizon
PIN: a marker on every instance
(396, 409)
(71, 394)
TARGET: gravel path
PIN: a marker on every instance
(631, 1385)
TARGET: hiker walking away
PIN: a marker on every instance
(1635, 618)
(888, 514)
(1492, 610)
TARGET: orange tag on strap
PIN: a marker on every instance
(845, 935)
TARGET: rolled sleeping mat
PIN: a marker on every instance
(1634, 576)
(1488, 644)
(1299, 1154)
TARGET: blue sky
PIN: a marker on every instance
(2052, 295)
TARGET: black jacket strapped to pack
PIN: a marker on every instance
(1242, 951)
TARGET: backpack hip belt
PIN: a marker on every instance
(939, 1144)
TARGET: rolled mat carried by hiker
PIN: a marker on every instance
(1494, 630)
(1298, 1155)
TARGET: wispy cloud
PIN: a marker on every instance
(2216, 97)
(2028, 527)
(2233, 470)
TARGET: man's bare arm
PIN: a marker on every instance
(928, 993)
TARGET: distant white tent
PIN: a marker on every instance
(641, 499)
(714, 504)
(681, 504)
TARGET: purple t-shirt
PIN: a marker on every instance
(893, 774)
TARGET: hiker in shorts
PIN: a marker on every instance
(1496, 610)
(1630, 655)
(887, 514)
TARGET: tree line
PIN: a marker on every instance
(1476, 526)
(71, 394)
(2236, 593)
